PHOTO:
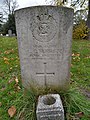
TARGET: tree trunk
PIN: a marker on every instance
(88, 20)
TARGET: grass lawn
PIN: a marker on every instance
(11, 91)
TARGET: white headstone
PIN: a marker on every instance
(1, 34)
(13, 34)
(7, 35)
(45, 37)
(10, 33)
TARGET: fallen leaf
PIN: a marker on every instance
(73, 54)
(9, 51)
(12, 58)
(10, 68)
(12, 111)
(16, 80)
(6, 62)
(6, 59)
(18, 88)
(10, 81)
(88, 57)
(79, 114)
(6, 52)
(12, 50)
(78, 54)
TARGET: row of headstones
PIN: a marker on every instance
(10, 34)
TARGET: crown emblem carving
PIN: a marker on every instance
(44, 17)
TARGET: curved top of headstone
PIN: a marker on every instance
(63, 7)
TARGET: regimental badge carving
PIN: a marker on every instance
(44, 28)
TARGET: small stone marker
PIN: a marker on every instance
(44, 37)
(13, 34)
(50, 108)
(10, 33)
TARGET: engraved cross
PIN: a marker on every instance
(45, 73)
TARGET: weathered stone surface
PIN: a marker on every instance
(44, 38)
(50, 108)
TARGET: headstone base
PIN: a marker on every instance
(50, 107)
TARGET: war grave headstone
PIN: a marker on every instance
(44, 38)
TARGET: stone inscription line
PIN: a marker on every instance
(45, 74)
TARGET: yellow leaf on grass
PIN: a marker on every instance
(78, 54)
(6, 59)
(7, 52)
(10, 68)
(18, 88)
(12, 58)
(16, 80)
(12, 111)
(6, 62)
(73, 54)
(88, 57)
